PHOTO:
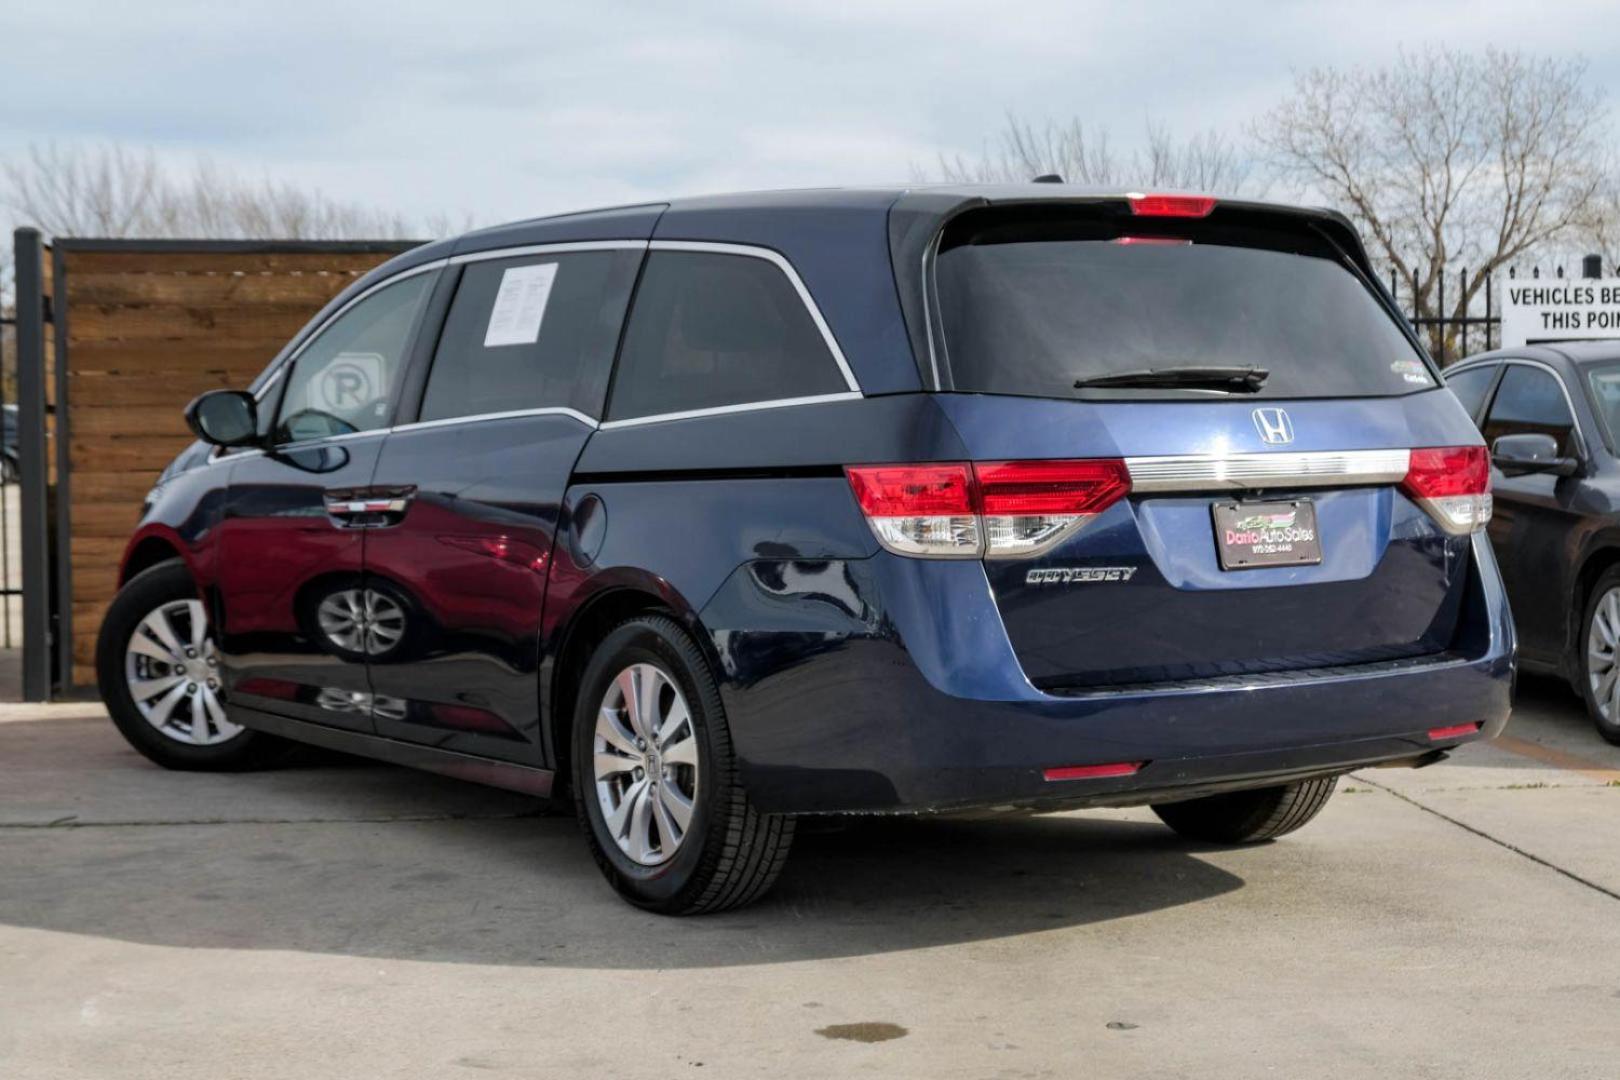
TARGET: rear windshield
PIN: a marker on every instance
(1030, 308)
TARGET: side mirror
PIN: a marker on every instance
(1520, 455)
(224, 418)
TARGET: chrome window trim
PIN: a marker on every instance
(781, 263)
(547, 249)
(770, 255)
(723, 410)
(1242, 472)
(512, 414)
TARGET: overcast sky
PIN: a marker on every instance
(507, 111)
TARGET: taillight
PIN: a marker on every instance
(1452, 483)
(919, 509)
(995, 509)
(1190, 206)
(1029, 506)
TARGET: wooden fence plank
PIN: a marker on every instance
(148, 330)
(194, 262)
(207, 290)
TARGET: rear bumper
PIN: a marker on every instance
(889, 686)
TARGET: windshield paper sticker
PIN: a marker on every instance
(520, 305)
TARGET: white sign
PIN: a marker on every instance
(520, 304)
(1561, 309)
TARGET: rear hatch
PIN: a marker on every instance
(1267, 473)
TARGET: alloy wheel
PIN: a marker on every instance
(361, 621)
(1603, 656)
(172, 671)
(646, 764)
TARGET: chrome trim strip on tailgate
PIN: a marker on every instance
(1236, 472)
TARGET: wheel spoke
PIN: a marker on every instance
(1606, 683)
(165, 705)
(673, 723)
(147, 689)
(610, 731)
(676, 805)
(629, 685)
(199, 720)
(667, 827)
(608, 764)
(641, 825)
(144, 645)
(216, 711)
(158, 623)
(650, 682)
(620, 817)
(681, 750)
(199, 625)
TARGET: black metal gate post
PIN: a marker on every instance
(36, 576)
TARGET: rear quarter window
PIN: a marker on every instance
(1029, 311)
(710, 330)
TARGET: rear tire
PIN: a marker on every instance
(1598, 657)
(1248, 817)
(162, 724)
(727, 854)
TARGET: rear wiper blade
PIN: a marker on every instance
(1235, 380)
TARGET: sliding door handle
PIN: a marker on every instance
(368, 508)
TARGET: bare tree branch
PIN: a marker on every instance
(1444, 158)
(116, 191)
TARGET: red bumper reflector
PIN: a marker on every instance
(1455, 731)
(1093, 772)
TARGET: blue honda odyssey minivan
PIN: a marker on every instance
(711, 514)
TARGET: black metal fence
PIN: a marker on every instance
(1453, 335)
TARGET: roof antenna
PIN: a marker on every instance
(1048, 178)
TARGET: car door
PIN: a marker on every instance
(508, 399)
(1535, 516)
(294, 627)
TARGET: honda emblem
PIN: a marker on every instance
(1274, 426)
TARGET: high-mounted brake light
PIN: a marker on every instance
(1453, 484)
(1190, 206)
(994, 509)
(1158, 241)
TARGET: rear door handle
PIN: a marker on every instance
(368, 508)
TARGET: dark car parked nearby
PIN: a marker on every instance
(734, 509)
(1551, 415)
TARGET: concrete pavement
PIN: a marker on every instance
(337, 918)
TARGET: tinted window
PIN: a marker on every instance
(1470, 386)
(709, 330)
(1023, 314)
(1605, 383)
(530, 333)
(345, 379)
(1530, 400)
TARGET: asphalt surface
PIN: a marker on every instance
(338, 918)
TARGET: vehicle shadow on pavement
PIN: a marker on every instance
(417, 867)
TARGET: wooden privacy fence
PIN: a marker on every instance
(140, 328)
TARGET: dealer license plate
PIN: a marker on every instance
(1255, 534)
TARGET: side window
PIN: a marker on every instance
(1470, 386)
(709, 330)
(530, 333)
(345, 379)
(1530, 401)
